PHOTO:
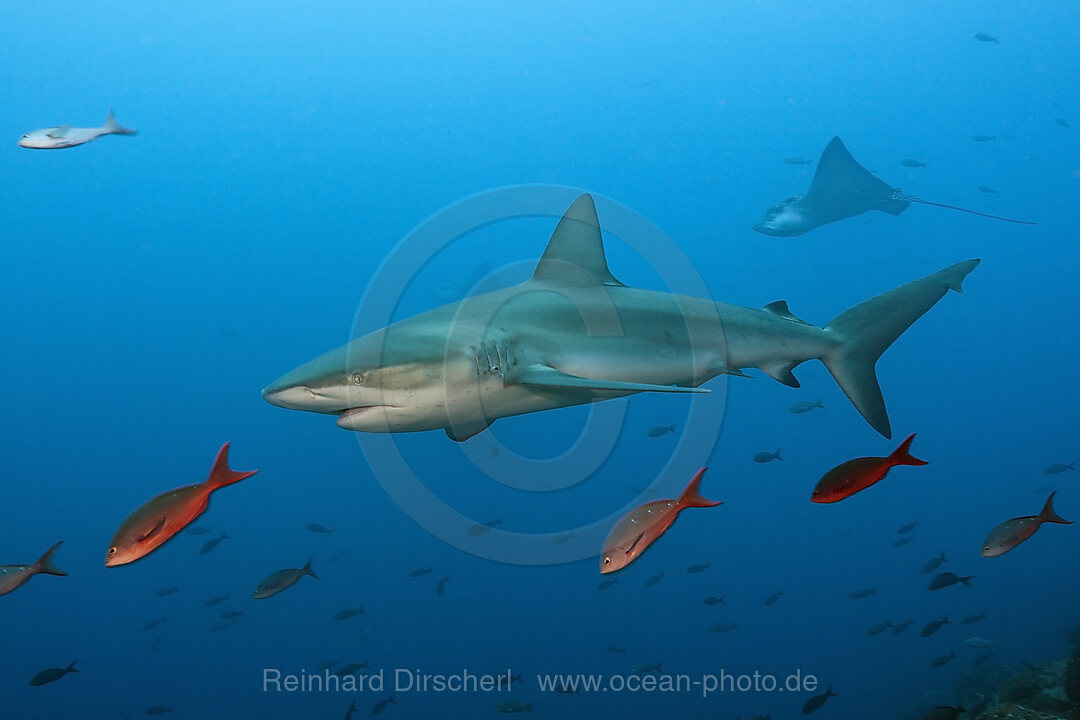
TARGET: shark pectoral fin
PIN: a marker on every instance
(58, 133)
(547, 376)
(460, 431)
(780, 309)
(782, 373)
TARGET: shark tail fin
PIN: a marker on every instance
(111, 126)
(868, 329)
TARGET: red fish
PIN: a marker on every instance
(845, 480)
(151, 525)
(1011, 533)
(640, 527)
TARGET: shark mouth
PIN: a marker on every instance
(345, 417)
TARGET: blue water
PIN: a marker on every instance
(152, 285)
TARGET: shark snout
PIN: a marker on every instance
(293, 397)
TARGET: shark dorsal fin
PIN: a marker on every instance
(843, 188)
(576, 244)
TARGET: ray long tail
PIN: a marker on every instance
(868, 329)
(909, 198)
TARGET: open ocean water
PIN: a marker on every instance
(307, 173)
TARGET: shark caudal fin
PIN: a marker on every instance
(115, 128)
(867, 330)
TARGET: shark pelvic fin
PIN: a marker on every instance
(547, 376)
(575, 251)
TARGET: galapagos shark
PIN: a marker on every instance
(573, 334)
(65, 136)
(842, 188)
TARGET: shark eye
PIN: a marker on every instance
(358, 378)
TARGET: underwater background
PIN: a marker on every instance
(152, 285)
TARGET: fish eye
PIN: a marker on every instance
(358, 378)
(112, 551)
(607, 561)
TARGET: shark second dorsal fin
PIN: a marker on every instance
(576, 246)
(780, 309)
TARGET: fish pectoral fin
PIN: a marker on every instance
(154, 530)
(543, 375)
(634, 544)
(58, 133)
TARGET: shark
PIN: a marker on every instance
(841, 189)
(573, 334)
(65, 136)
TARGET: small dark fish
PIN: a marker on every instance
(349, 613)
(817, 701)
(909, 163)
(697, 567)
(167, 591)
(796, 160)
(1063, 123)
(932, 627)
(931, 565)
(232, 614)
(440, 587)
(158, 710)
(616, 650)
(983, 659)
(805, 406)
(155, 622)
(943, 660)
(984, 138)
(199, 530)
(12, 577)
(945, 712)
(482, 528)
(216, 600)
(860, 594)
(336, 556)
(605, 584)
(878, 628)
(321, 529)
(654, 579)
(905, 529)
(351, 710)
(986, 38)
(723, 627)
(157, 644)
(1011, 533)
(661, 430)
(381, 705)
(213, 543)
(1059, 468)
(856, 475)
(713, 600)
(222, 624)
(563, 539)
(513, 706)
(774, 597)
(275, 582)
(946, 579)
(420, 572)
(987, 189)
(900, 542)
(972, 619)
(764, 457)
(899, 629)
(53, 674)
(351, 668)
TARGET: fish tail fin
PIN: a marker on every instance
(829, 692)
(820, 403)
(1049, 515)
(867, 330)
(967, 580)
(1071, 466)
(45, 562)
(71, 668)
(777, 454)
(115, 128)
(691, 495)
(307, 568)
(221, 475)
(943, 558)
(902, 454)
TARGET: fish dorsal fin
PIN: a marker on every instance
(842, 188)
(58, 133)
(576, 248)
(780, 309)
